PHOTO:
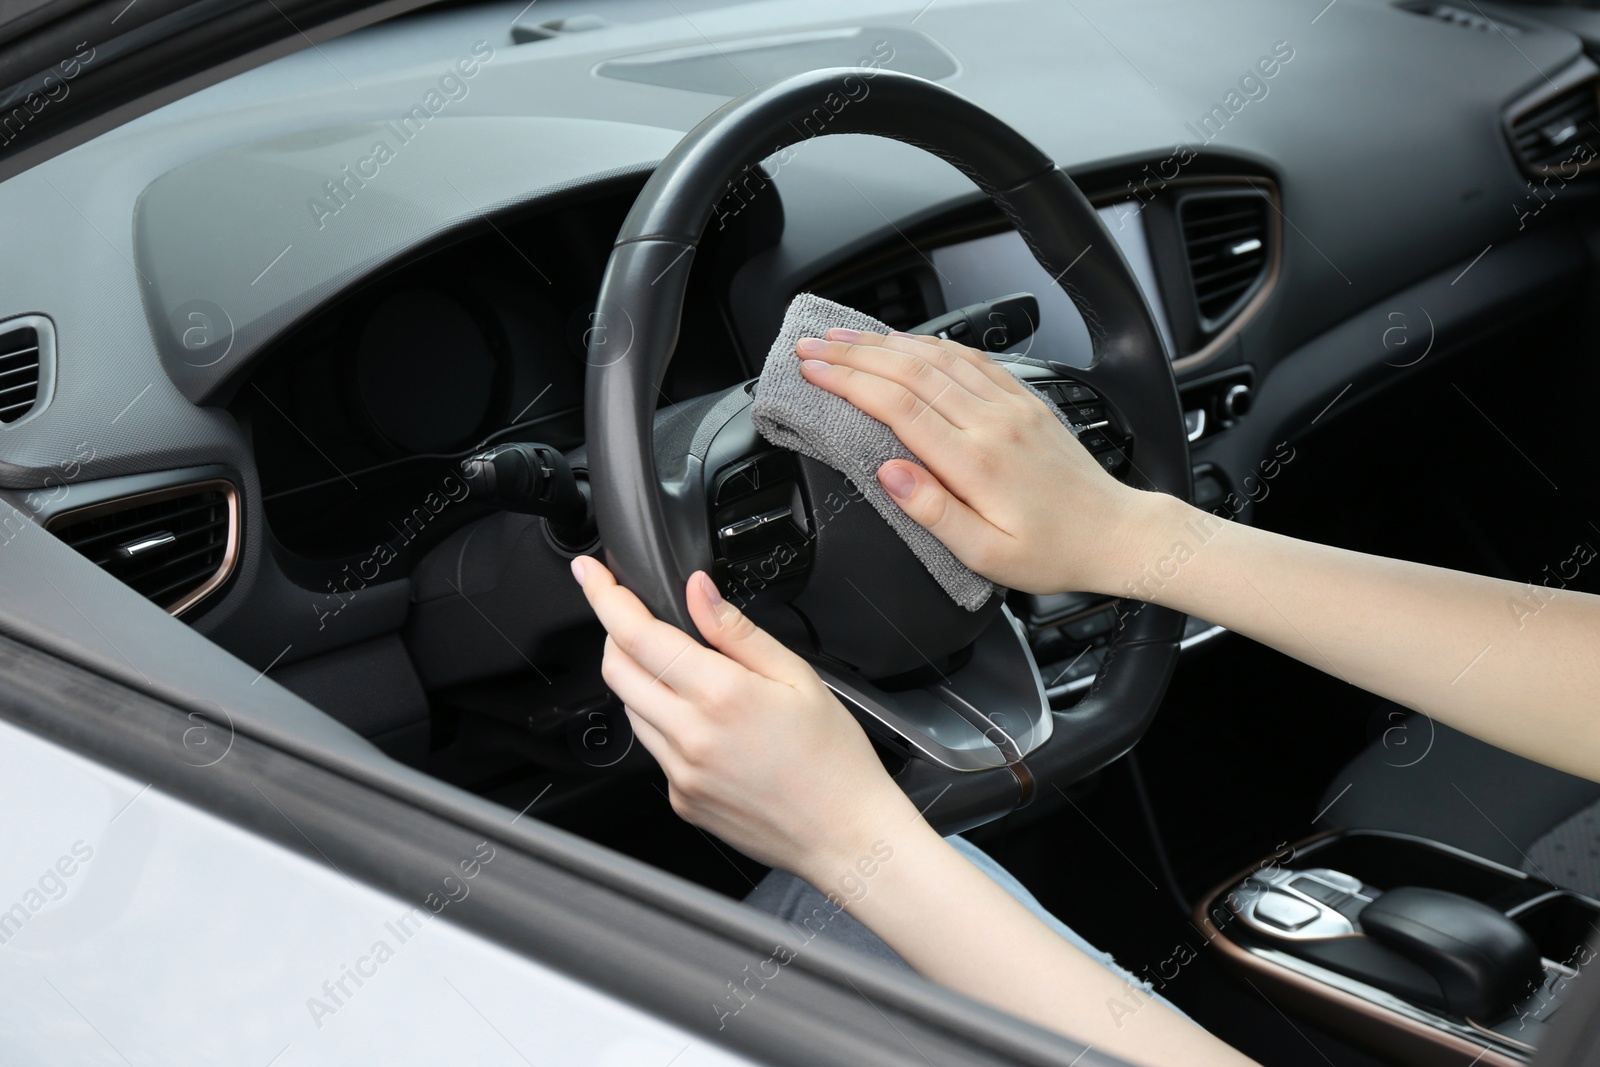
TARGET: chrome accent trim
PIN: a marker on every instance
(755, 522)
(1269, 189)
(1232, 394)
(45, 330)
(1328, 923)
(231, 547)
(947, 723)
(1080, 684)
(145, 544)
(1389, 1002)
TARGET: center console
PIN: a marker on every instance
(1415, 950)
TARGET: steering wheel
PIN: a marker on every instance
(694, 487)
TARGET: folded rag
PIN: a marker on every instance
(792, 413)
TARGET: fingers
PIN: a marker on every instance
(653, 660)
(654, 741)
(921, 428)
(924, 365)
(976, 358)
(637, 688)
(934, 375)
(664, 651)
(964, 532)
(730, 631)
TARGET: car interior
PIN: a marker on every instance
(342, 359)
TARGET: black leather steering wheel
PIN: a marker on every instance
(956, 692)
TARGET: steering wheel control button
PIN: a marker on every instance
(1094, 440)
(1072, 393)
(757, 533)
(1284, 911)
(1236, 401)
(751, 476)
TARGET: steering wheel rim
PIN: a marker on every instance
(641, 515)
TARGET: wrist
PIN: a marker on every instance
(845, 867)
(1140, 538)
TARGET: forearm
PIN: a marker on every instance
(957, 927)
(1515, 665)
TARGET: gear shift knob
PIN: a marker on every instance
(1483, 961)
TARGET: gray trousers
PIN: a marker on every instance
(796, 901)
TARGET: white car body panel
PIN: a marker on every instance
(137, 929)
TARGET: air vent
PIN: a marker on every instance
(22, 361)
(1462, 18)
(899, 299)
(1556, 131)
(173, 546)
(1226, 239)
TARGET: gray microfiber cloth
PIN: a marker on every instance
(792, 413)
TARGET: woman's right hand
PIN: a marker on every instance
(1006, 487)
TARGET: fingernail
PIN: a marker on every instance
(899, 482)
(815, 366)
(714, 596)
(577, 568)
(901, 333)
(844, 335)
(810, 344)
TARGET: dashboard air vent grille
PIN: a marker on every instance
(172, 546)
(1451, 15)
(19, 371)
(898, 300)
(1549, 134)
(1225, 239)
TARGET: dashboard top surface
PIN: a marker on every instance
(213, 202)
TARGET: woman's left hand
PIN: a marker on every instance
(755, 748)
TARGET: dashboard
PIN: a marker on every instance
(311, 290)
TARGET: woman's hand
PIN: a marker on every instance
(755, 748)
(1006, 487)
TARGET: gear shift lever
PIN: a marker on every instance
(1483, 961)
